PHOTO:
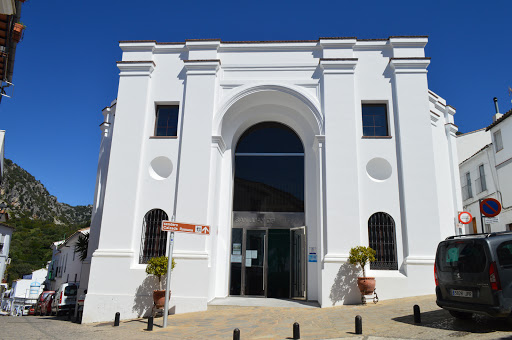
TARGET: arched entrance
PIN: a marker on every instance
(268, 239)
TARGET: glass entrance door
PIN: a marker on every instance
(255, 264)
(268, 262)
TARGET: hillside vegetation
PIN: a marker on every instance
(38, 218)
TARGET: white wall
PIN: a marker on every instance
(471, 142)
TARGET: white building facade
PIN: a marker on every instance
(293, 152)
(485, 168)
(65, 266)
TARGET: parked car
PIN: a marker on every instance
(31, 310)
(40, 299)
(473, 274)
(46, 306)
(26, 309)
(64, 299)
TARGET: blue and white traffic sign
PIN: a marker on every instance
(490, 207)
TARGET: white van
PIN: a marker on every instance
(64, 298)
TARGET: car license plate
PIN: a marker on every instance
(462, 293)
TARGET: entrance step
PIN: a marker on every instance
(262, 302)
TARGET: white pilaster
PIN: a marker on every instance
(342, 190)
(417, 175)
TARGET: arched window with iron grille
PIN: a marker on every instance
(153, 240)
(382, 237)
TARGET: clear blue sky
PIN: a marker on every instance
(65, 70)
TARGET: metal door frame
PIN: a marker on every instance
(265, 259)
(303, 264)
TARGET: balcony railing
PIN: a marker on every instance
(480, 184)
(467, 193)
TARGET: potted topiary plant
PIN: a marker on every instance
(157, 266)
(361, 256)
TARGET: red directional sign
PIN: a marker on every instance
(490, 207)
(185, 227)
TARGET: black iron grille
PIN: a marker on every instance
(153, 239)
(381, 231)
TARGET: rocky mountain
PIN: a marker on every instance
(27, 197)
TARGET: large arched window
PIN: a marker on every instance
(381, 232)
(269, 170)
(153, 240)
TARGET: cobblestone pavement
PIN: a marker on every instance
(387, 319)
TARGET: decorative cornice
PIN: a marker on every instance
(190, 255)
(202, 67)
(136, 68)
(320, 138)
(338, 65)
(450, 109)
(202, 44)
(113, 253)
(451, 128)
(348, 42)
(408, 41)
(335, 258)
(419, 260)
(409, 65)
(218, 142)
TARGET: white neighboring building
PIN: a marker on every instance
(5, 242)
(54, 267)
(65, 265)
(485, 156)
(292, 151)
(30, 286)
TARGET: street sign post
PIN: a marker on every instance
(465, 217)
(172, 227)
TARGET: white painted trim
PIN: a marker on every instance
(419, 260)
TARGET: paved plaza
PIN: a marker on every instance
(392, 319)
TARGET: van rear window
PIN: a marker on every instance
(70, 291)
(505, 254)
(466, 257)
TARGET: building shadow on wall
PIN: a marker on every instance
(344, 288)
(143, 301)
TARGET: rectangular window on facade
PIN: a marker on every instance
(167, 120)
(467, 191)
(75, 278)
(498, 143)
(67, 279)
(375, 120)
(482, 185)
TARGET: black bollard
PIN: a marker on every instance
(359, 324)
(236, 334)
(417, 315)
(150, 323)
(116, 320)
(296, 331)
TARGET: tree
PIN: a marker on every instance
(81, 246)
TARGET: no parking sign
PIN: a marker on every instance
(490, 207)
